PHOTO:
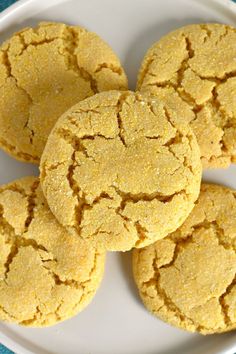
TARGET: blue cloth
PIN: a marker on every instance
(3, 5)
(4, 350)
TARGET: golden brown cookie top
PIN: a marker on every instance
(189, 278)
(193, 70)
(44, 71)
(120, 170)
(46, 275)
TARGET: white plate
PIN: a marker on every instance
(116, 322)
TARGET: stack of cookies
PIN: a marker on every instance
(119, 170)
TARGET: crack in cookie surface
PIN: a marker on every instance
(128, 153)
(188, 279)
(192, 86)
(59, 274)
(66, 75)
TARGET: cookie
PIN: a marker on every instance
(189, 278)
(193, 69)
(120, 170)
(43, 72)
(46, 275)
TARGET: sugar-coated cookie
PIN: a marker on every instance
(188, 279)
(120, 170)
(193, 69)
(43, 72)
(46, 275)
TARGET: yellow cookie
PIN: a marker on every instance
(193, 69)
(43, 72)
(46, 275)
(120, 170)
(189, 278)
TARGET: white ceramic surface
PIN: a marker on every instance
(116, 322)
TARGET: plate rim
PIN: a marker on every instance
(5, 339)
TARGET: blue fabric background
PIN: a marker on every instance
(3, 5)
(4, 350)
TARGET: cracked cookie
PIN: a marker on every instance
(193, 69)
(120, 170)
(46, 275)
(189, 278)
(43, 72)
